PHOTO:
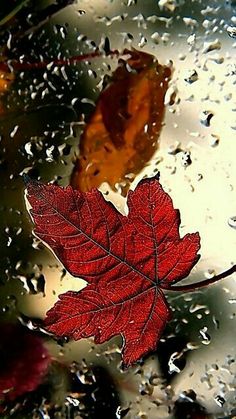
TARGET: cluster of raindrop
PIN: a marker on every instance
(55, 59)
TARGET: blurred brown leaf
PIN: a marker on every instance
(122, 134)
(6, 79)
(24, 362)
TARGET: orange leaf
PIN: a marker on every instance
(122, 133)
(6, 78)
(5, 81)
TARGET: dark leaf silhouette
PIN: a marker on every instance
(122, 133)
(127, 261)
(24, 361)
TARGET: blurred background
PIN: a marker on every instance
(44, 107)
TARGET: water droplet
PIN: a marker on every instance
(186, 158)
(14, 131)
(206, 339)
(174, 149)
(211, 46)
(81, 12)
(231, 31)
(156, 37)
(199, 177)
(168, 5)
(191, 76)
(214, 140)
(170, 96)
(210, 273)
(195, 307)
(232, 221)
(154, 379)
(220, 400)
(172, 366)
(205, 117)
(191, 39)
(122, 412)
(73, 401)
(232, 300)
(190, 22)
(142, 41)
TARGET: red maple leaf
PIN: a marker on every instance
(127, 261)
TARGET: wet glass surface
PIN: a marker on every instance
(55, 60)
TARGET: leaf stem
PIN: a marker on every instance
(205, 282)
(13, 12)
(16, 65)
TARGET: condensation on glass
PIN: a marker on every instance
(44, 105)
